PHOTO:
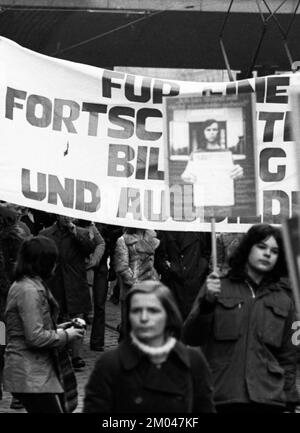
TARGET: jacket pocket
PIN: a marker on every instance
(274, 382)
(228, 318)
(274, 322)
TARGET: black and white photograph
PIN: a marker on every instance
(149, 214)
(211, 144)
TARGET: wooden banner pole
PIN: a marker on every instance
(214, 244)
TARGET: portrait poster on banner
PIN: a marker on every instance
(210, 149)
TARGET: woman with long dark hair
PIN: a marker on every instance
(209, 141)
(150, 371)
(30, 373)
(211, 136)
(244, 323)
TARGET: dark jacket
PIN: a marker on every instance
(189, 254)
(110, 235)
(124, 380)
(95, 257)
(69, 284)
(247, 342)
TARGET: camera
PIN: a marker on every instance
(78, 323)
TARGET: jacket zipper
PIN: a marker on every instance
(250, 311)
(251, 289)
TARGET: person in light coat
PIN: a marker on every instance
(134, 261)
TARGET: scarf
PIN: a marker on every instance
(157, 355)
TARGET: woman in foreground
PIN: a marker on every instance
(150, 371)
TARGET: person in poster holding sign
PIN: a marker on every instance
(244, 323)
(210, 141)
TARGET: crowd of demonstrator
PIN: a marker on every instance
(191, 340)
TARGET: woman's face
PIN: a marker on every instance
(211, 132)
(148, 318)
(263, 256)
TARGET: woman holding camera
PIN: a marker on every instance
(150, 371)
(30, 371)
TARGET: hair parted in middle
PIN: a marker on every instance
(164, 295)
(209, 122)
(202, 140)
(256, 234)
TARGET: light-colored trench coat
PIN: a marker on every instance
(31, 337)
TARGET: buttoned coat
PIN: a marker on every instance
(134, 258)
(188, 254)
(247, 339)
(69, 284)
(29, 364)
(124, 380)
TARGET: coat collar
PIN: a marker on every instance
(41, 286)
(148, 239)
(130, 355)
(268, 284)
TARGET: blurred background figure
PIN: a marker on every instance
(100, 287)
(182, 260)
(23, 229)
(11, 238)
(69, 283)
(43, 219)
(226, 246)
(134, 261)
(28, 217)
(98, 279)
(113, 234)
(150, 371)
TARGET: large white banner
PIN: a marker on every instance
(90, 143)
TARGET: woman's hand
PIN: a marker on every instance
(74, 333)
(213, 287)
(237, 172)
